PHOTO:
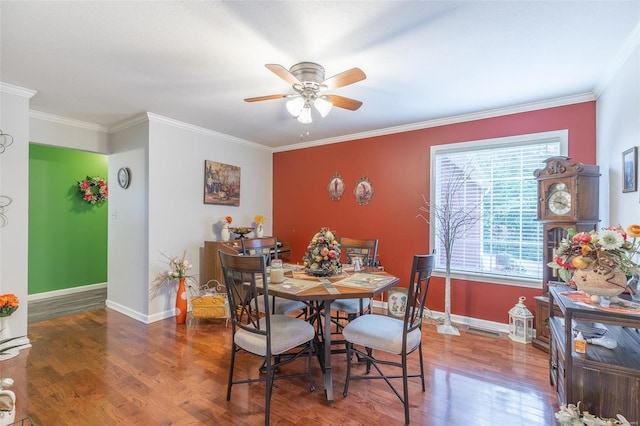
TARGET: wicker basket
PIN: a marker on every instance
(595, 284)
(211, 302)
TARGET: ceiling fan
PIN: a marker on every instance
(307, 79)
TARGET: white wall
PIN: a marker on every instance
(128, 253)
(178, 219)
(618, 129)
(14, 182)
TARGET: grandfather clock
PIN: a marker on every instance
(568, 197)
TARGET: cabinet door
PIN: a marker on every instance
(606, 392)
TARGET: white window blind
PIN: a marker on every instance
(506, 240)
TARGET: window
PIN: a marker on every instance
(505, 242)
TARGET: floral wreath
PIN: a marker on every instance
(94, 190)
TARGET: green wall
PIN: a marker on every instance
(67, 235)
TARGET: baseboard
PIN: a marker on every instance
(65, 291)
(467, 322)
(147, 319)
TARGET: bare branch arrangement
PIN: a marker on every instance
(452, 215)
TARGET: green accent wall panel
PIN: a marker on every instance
(67, 235)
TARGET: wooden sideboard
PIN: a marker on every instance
(606, 381)
(212, 270)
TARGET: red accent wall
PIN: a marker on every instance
(398, 167)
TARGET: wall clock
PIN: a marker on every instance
(124, 177)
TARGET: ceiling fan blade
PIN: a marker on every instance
(344, 78)
(283, 73)
(346, 103)
(266, 98)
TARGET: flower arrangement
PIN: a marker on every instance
(94, 190)
(7, 401)
(323, 254)
(571, 416)
(226, 220)
(178, 268)
(604, 252)
(8, 304)
(259, 219)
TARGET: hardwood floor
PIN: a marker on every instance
(101, 368)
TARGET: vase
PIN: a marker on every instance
(5, 331)
(634, 289)
(7, 407)
(259, 231)
(595, 284)
(181, 302)
(224, 233)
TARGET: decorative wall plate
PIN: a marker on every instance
(336, 187)
(363, 191)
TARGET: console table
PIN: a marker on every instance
(606, 381)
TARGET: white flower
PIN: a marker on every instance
(611, 240)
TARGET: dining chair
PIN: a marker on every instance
(392, 335)
(268, 247)
(367, 249)
(278, 339)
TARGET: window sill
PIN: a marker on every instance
(493, 279)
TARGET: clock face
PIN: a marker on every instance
(123, 177)
(559, 201)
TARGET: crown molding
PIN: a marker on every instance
(128, 122)
(67, 121)
(497, 112)
(207, 132)
(17, 90)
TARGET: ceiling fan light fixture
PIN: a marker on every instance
(305, 115)
(323, 105)
(295, 105)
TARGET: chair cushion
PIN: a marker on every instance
(283, 306)
(350, 306)
(286, 333)
(380, 332)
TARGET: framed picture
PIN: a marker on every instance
(363, 191)
(397, 302)
(221, 183)
(336, 187)
(630, 170)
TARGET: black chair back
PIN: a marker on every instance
(418, 285)
(268, 247)
(241, 274)
(366, 248)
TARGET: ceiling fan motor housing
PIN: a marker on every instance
(308, 72)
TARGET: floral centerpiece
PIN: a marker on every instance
(226, 220)
(178, 268)
(323, 254)
(8, 304)
(94, 190)
(607, 253)
(570, 415)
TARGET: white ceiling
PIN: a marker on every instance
(104, 62)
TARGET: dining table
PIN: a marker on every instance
(319, 292)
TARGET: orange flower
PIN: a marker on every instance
(633, 230)
(8, 304)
